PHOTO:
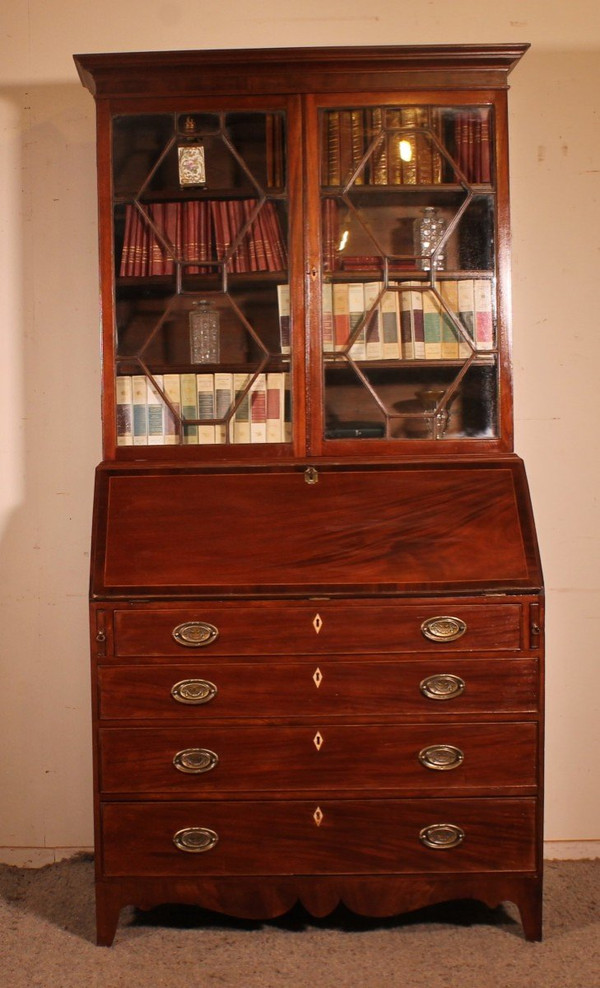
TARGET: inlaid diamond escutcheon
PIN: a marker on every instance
(317, 677)
(318, 816)
(318, 740)
(317, 623)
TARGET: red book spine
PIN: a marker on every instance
(125, 267)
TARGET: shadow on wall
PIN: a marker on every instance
(51, 443)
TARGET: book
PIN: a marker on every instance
(124, 402)
(463, 303)
(356, 314)
(341, 315)
(139, 384)
(327, 321)
(395, 148)
(156, 412)
(283, 302)
(346, 166)
(126, 265)
(408, 136)
(205, 385)
(390, 325)
(485, 162)
(450, 334)
(189, 408)
(189, 235)
(247, 211)
(172, 219)
(416, 302)
(357, 127)
(406, 324)
(172, 411)
(140, 246)
(157, 260)
(374, 340)
(223, 404)
(258, 409)
(378, 159)
(275, 235)
(330, 236)
(432, 325)
(275, 407)
(195, 233)
(287, 408)
(483, 314)
(331, 148)
(241, 418)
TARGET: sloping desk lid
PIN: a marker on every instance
(428, 528)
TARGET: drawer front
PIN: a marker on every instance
(293, 688)
(303, 837)
(316, 627)
(195, 761)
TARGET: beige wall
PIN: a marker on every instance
(49, 388)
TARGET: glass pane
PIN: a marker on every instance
(408, 301)
(202, 299)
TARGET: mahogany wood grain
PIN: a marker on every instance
(285, 687)
(391, 530)
(297, 70)
(355, 837)
(367, 895)
(369, 757)
(393, 533)
(349, 627)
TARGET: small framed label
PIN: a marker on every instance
(192, 170)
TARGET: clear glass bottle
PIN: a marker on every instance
(428, 232)
(204, 333)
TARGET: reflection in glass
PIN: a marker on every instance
(408, 293)
(201, 256)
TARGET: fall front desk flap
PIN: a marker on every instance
(342, 530)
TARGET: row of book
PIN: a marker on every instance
(202, 409)
(401, 146)
(200, 233)
(407, 321)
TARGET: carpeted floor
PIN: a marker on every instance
(47, 940)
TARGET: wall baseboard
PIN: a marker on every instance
(569, 850)
(39, 857)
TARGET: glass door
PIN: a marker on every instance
(408, 327)
(201, 255)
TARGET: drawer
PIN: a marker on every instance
(328, 687)
(303, 837)
(359, 626)
(193, 761)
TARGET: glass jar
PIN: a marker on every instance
(429, 230)
(204, 333)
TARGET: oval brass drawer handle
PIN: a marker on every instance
(442, 836)
(195, 840)
(441, 757)
(194, 691)
(195, 761)
(195, 634)
(443, 628)
(444, 686)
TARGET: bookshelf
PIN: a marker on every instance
(316, 595)
(243, 231)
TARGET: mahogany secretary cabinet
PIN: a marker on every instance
(316, 595)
